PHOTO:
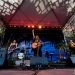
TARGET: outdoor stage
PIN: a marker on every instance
(40, 72)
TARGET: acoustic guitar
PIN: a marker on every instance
(38, 44)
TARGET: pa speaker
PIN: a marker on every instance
(2, 56)
(73, 59)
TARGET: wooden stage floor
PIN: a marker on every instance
(40, 72)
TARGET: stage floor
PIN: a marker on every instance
(40, 72)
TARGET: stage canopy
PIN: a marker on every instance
(34, 13)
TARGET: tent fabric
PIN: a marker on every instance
(51, 13)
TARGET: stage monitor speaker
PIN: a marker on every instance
(73, 59)
(2, 56)
(38, 60)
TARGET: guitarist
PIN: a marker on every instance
(12, 46)
(36, 45)
(72, 46)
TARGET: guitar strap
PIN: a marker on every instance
(33, 33)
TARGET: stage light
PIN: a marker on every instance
(40, 27)
(33, 26)
(8, 7)
(14, 26)
(10, 26)
(60, 27)
(28, 26)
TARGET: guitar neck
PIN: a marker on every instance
(33, 33)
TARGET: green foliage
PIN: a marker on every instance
(62, 46)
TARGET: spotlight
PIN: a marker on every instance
(14, 26)
(40, 27)
(28, 26)
(33, 26)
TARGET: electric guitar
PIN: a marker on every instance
(72, 44)
(12, 49)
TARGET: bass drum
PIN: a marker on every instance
(21, 56)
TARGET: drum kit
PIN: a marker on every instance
(20, 57)
(18, 54)
(21, 61)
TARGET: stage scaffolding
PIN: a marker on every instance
(69, 30)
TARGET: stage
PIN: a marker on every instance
(39, 72)
(37, 37)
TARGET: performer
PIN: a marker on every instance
(36, 45)
(13, 46)
(72, 46)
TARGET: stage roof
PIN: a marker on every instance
(51, 13)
